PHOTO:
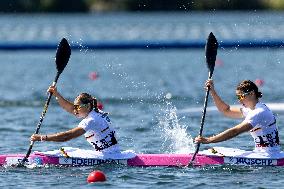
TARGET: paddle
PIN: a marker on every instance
(62, 57)
(210, 54)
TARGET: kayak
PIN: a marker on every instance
(212, 156)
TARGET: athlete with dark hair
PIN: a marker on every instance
(96, 125)
(258, 118)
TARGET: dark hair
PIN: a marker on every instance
(86, 98)
(249, 86)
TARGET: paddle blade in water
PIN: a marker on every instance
(62, 55)
(211, 51)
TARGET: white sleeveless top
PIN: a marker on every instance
(99, 132)
(264, 131)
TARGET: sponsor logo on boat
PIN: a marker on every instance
(17, 160)
(250, 161)
(90, 162)
(13, 160)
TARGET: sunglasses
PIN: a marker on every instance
(78, 107)
(242, 96)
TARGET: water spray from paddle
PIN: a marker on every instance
(176, 138)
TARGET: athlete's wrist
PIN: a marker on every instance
(43, 138)
(57, 96)
(213, 92)
(210, 140)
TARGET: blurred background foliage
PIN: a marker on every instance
(16, 6)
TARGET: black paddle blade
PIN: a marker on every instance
(62, 55)
(211, 51)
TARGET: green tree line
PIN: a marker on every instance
(16, 6)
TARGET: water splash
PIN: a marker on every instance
(176, 139)
(80, 45)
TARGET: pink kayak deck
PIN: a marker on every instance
(139, 160)
(142, 160)
(173, 160)
(200, 160)
(45, 159)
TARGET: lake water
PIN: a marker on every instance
(144, 91)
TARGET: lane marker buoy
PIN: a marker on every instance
(93, 75)
(96, 176)
(259, 82)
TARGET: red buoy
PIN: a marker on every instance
(259, 82)
(100, 105)
(219, 62)
(93, 75)
(96, 176)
